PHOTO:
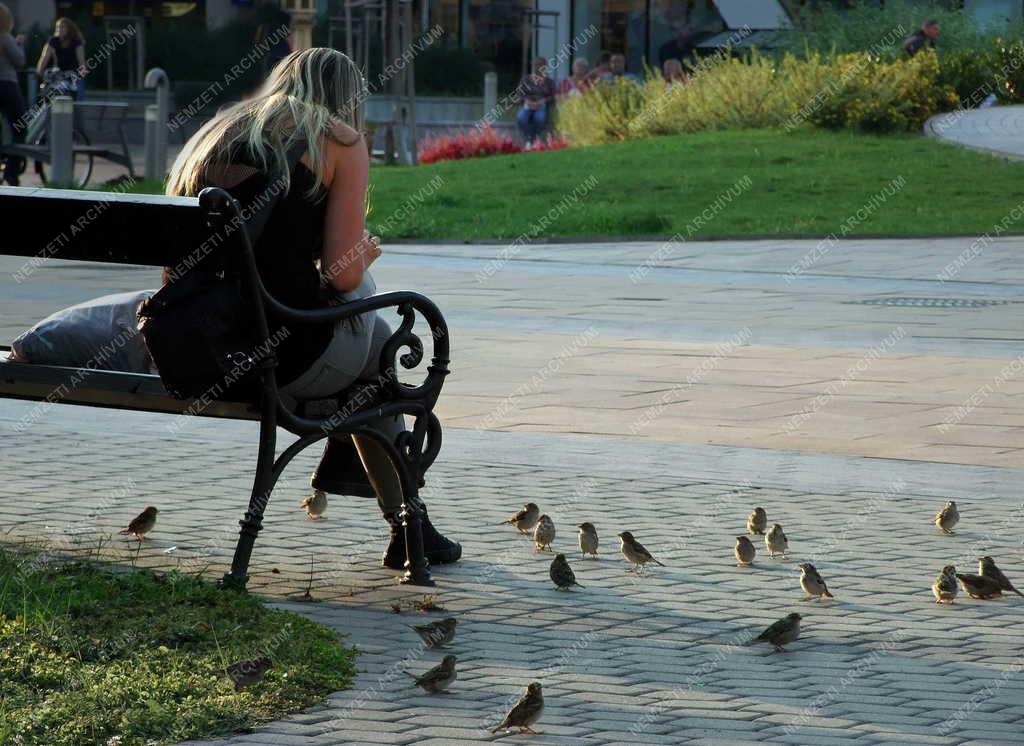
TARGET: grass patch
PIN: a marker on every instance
(88, 653)
(806, 183)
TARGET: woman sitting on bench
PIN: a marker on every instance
(314, 251)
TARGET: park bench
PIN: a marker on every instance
(160, 231)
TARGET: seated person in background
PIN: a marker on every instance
(618, 68)
(603, 69)
(578, 82)
(922, 37)
(536, 91)
(314, 251)
(672, 72)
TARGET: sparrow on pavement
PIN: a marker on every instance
(525, 712)
(744, 551)
(248, 672)
(757, 521)
(439, 678)
(436, 634)
(561, 574)
(525, 519)
(812, 582)
(782, 632)
(315, 505)
(142, 524)
(944, 587)
(775, 541)
(948, 517)
(543, 533)
(979, 586)
(987, 568)
(588, 539)
(636, 553)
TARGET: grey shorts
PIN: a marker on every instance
(353, 353)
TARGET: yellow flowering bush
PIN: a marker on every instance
(849, 91)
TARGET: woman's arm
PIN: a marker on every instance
(347, 250)
(80, 54)
(44, 59)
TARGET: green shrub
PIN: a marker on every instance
(864, 26)
(854, 91)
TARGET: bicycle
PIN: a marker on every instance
(37, 130)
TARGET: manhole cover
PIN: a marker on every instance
(931, 302)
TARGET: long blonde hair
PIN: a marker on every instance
(6, 19)
(74, 33)
(307, 93)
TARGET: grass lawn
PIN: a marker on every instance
(805, 183)
(88, 654)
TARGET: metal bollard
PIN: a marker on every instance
(157, 78)
(151, 167)
(490, 94)
(62, 156)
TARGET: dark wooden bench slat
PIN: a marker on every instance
(106, 388)
(150, 230)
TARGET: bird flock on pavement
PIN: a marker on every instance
(988, 583)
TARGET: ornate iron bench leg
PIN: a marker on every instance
(417, 568)
(262, 486)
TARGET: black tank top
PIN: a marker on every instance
(285, 253)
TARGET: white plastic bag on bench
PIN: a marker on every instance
(100, 334)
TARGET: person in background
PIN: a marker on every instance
(672, 72)
(65, 50)
(618, 68)
(576, 83)
(12, 103)
(603, 69)
(536, 92)
(274, 35)
(922, 37)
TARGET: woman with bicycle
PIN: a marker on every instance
(12, 103)
(66, 51)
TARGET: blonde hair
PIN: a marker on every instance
(6, 19)
(306, 95)
(75, 33)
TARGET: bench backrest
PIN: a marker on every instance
(151, 230)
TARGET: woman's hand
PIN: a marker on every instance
(20, 40)
(369, 248)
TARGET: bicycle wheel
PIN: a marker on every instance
(81, 167)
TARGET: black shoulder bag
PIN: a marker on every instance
(199, 327)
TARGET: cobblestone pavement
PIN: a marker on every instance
(562, 364)
(996, 129)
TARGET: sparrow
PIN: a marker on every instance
(775, 540)
(525, 519)
(436, 634)
(744, 551)
(979, 586)
(439, 678)
(812, 582)
(561, 574)
(525, 712)
(757, 521)
(948, 517)
(636, 553)
(588, 539)
(944, 587)
(987, 568)
(315, 505)
(543, 533)
(782, 632)
(142, 524)
(248, 672)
